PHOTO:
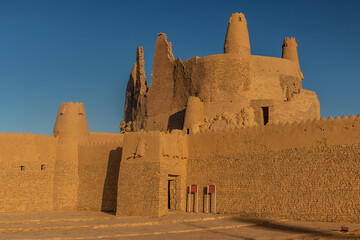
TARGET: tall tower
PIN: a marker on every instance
(237, 36)
(70, 128)
(289, 51)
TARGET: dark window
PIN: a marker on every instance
(265, 111)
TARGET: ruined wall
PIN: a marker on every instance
(273, 78)
(27, 172)
(99, 165)
(307, 171)
(160, 95)
(301, 107)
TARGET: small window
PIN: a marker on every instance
(42, 167)
(22, 168)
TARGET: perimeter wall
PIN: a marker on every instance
(99, 165)
(27, 172)
(306, 171)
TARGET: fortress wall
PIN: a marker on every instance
(301, 107)
(265, 77)
(139, 177)
(161, 91)
(173, 164)
(313, 183)
(150, 161)
(324, 132)
(27, 172)
(96, 137)
(307, 171)
(214, 75)
(98, 175)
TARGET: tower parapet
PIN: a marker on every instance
(289, 51)
(237, 36)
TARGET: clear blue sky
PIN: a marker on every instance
(54, 51)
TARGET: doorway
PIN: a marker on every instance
(172, 192)
(265, 111)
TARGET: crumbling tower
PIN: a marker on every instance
(237, 36)
(71, 128)
(135, 101)
(289, 51)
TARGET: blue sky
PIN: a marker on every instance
(83, 50)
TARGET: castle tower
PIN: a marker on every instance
(289, 51)
(70, 128)
(194, 113)
(71, 123)
(237, 36)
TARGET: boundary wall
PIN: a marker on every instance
(306, 171)
(99, 165)
(27, 172)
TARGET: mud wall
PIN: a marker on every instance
(27, 172)
(99, 165)
(306, 171)
(149, 161)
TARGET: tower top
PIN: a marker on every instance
(71, 123)
(290, 42)
(289, 51)
(237, 36)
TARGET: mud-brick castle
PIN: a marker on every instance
(238, 121)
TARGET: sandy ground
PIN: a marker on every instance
(99, 225)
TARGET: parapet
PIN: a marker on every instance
(290, 42)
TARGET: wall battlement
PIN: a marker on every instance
(26, 134)
(290, 42)
(323, 132)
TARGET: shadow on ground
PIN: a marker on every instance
(291, 232)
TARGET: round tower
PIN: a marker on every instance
(70, 128)
(71, 123)
(194, 113)
(289, 51)
(237, 36)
